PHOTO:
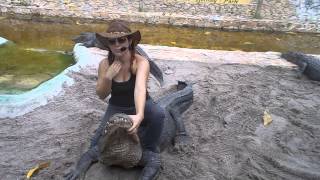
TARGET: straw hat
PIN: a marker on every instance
(118, 29)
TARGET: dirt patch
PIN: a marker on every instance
(225, 122)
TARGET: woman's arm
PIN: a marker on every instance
(105, 75)
(140, 91)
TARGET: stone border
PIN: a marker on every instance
(215, 22)
(216, 56)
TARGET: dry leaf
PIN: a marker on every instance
(266, 118)
(207, 33)
(235, 49)
(248, 43)
(37, 168)
(174, 43)
(293, 33)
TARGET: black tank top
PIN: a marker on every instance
(122, 93)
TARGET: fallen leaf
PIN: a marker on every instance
(248, 43)
(37, 168)
(174, 43)
(235, 49)
(207, 33)
(266, 118)
(278, 39)
(291, 33)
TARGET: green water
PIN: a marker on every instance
(22, 70)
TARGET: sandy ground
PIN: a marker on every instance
(225, 122)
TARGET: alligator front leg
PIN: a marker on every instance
(86, 160)
(302, 68)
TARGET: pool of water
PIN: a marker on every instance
(22, 69)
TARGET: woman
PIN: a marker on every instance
(124, 75)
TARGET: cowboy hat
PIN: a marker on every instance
(118, 29)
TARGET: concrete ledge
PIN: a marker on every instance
(3, 41)
(216, 56)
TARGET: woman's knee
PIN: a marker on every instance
(157, 116)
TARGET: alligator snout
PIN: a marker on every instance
(117, 121)
(116, 146)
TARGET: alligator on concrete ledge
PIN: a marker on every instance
(308, 65)
(88, 39)
(128, 153)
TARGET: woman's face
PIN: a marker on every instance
(119, 46)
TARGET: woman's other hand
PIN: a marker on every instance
(113, 70)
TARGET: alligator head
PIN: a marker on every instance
(116, 146)
(88, 39)
(293, 57)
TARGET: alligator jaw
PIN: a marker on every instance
(117, 121)
(116, 146)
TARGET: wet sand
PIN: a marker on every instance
(225, 122)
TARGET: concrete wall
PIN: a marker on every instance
(307, 10)
(270, 15)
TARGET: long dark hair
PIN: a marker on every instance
(132, 49)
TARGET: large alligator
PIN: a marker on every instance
(308, 65)
(88, 39)
(116, 147)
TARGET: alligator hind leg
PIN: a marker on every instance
(182, 141)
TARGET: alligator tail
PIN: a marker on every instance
(154, 69)
(181, 100)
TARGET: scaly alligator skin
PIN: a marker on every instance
(88, 39)
(308, 65)
(128, 153)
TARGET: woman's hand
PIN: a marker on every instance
(113, 70)
(136, 120)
